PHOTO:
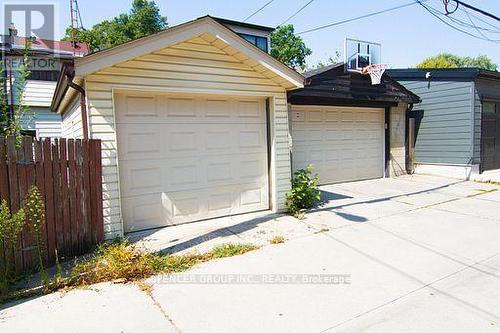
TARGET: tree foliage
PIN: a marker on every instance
(331, 60)
(12, 124)
(448, 60)
(289, 48)
(143, 19)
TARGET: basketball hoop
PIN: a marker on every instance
(376, 71)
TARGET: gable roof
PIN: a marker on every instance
(209, 29)
(331, 85)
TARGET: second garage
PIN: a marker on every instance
(343, 143)
(348, 128)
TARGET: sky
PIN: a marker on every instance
(407, 35)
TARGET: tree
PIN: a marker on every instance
(335, 59)
(143, 19)
(448, 60)
(289, 48)
(11, 122)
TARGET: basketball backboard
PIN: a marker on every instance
(359, 54)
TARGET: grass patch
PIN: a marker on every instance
(228, 250)
(277, 239)
(123, 262)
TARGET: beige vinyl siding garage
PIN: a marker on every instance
(342, 143)
(202, 65)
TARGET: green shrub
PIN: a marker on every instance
(304, 193)
(35, 217)
(11, 226)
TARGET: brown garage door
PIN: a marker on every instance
(490, 136)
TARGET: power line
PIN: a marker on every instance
(258, 10)
(436, 13)
(481, 19)
(462, 23)
(297, 12)
(430, 10)
(477, 10)
(357, 18)
(472, 24)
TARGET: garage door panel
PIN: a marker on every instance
(146, 176)
(167, 141)
(185, 109)
(343, 144)
(192, 205)
(140, 142)
(146, 210)
(200, 157)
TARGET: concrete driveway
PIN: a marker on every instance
(414, 253)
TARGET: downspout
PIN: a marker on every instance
(83, 104)
(409, 169)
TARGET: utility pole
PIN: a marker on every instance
(76, 21)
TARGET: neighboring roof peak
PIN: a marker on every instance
(239, 23)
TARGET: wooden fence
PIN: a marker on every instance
(68, 175)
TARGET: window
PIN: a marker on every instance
(489, 107)
(43, 75)
(260, 42)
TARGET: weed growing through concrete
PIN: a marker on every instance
(122, 262)
(277, 239)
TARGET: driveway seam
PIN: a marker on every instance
(411, 292)
(163, 312)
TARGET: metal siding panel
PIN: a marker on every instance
(445, 134)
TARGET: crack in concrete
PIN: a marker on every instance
(149, 293)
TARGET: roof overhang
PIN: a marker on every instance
(332, 85)
(206, 25)
(64, 94)
(442, 74)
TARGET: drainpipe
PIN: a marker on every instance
(83, 104)
(408, 167)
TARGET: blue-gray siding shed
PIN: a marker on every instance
(446, 131)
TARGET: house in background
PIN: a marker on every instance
(193, 122)
(348, 128)
(45, 61)
(457, 122)
(258, 35)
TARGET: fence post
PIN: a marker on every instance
(49, 199)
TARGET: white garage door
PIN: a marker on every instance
(184, 158)
(343, 143)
